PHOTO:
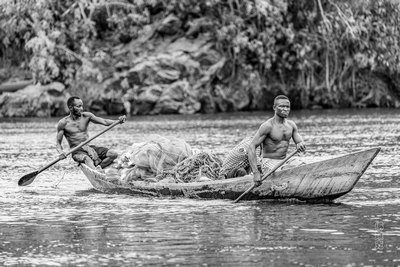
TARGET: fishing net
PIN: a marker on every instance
(199, 167)
(148, 159)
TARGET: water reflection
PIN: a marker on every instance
(60, 220)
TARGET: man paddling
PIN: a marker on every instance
(272, 142)
(75, 129)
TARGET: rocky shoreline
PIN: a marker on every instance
(182, 76)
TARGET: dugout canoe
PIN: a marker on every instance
(319, 181)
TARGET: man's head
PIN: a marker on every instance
(282, 106)
(75, 105)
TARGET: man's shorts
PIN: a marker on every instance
(96, 153)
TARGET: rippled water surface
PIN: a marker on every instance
(59, 220)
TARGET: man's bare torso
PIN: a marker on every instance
(276, 143)
(75, 131)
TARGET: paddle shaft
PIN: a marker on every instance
(24, 180)
(265, 176)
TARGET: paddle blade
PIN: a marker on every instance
(27, 179)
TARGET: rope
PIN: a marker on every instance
(194, 167)
(56, 185)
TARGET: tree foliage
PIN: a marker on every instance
(323, 53)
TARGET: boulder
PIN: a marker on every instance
(177, 98)
(186, 45)
(198, 25)
(35, 101)
(170, 25)
(181, 76)
(145, 98)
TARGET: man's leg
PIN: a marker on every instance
(82, 157)
(109, 159)
(89, 162)
(106, 155)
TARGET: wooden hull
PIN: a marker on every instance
(319, 181)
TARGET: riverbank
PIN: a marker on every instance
(186, 57)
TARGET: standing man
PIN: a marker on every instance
(75, 129)
(272, 142)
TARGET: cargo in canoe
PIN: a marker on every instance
(319, 181)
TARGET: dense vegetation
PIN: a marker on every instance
(322, 53)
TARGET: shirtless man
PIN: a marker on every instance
(272, 137)
(75, 129)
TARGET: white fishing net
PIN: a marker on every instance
(148, 159)
(164, 159)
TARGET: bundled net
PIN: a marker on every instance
(148, 159)
(199, 167)
(168, 159)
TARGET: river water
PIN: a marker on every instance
(59, 220)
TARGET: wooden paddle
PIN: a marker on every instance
(266, 175)
(28, 178)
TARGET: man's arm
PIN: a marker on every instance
(60, 135)
(301, 147)
(102, 121)
(258, 138)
